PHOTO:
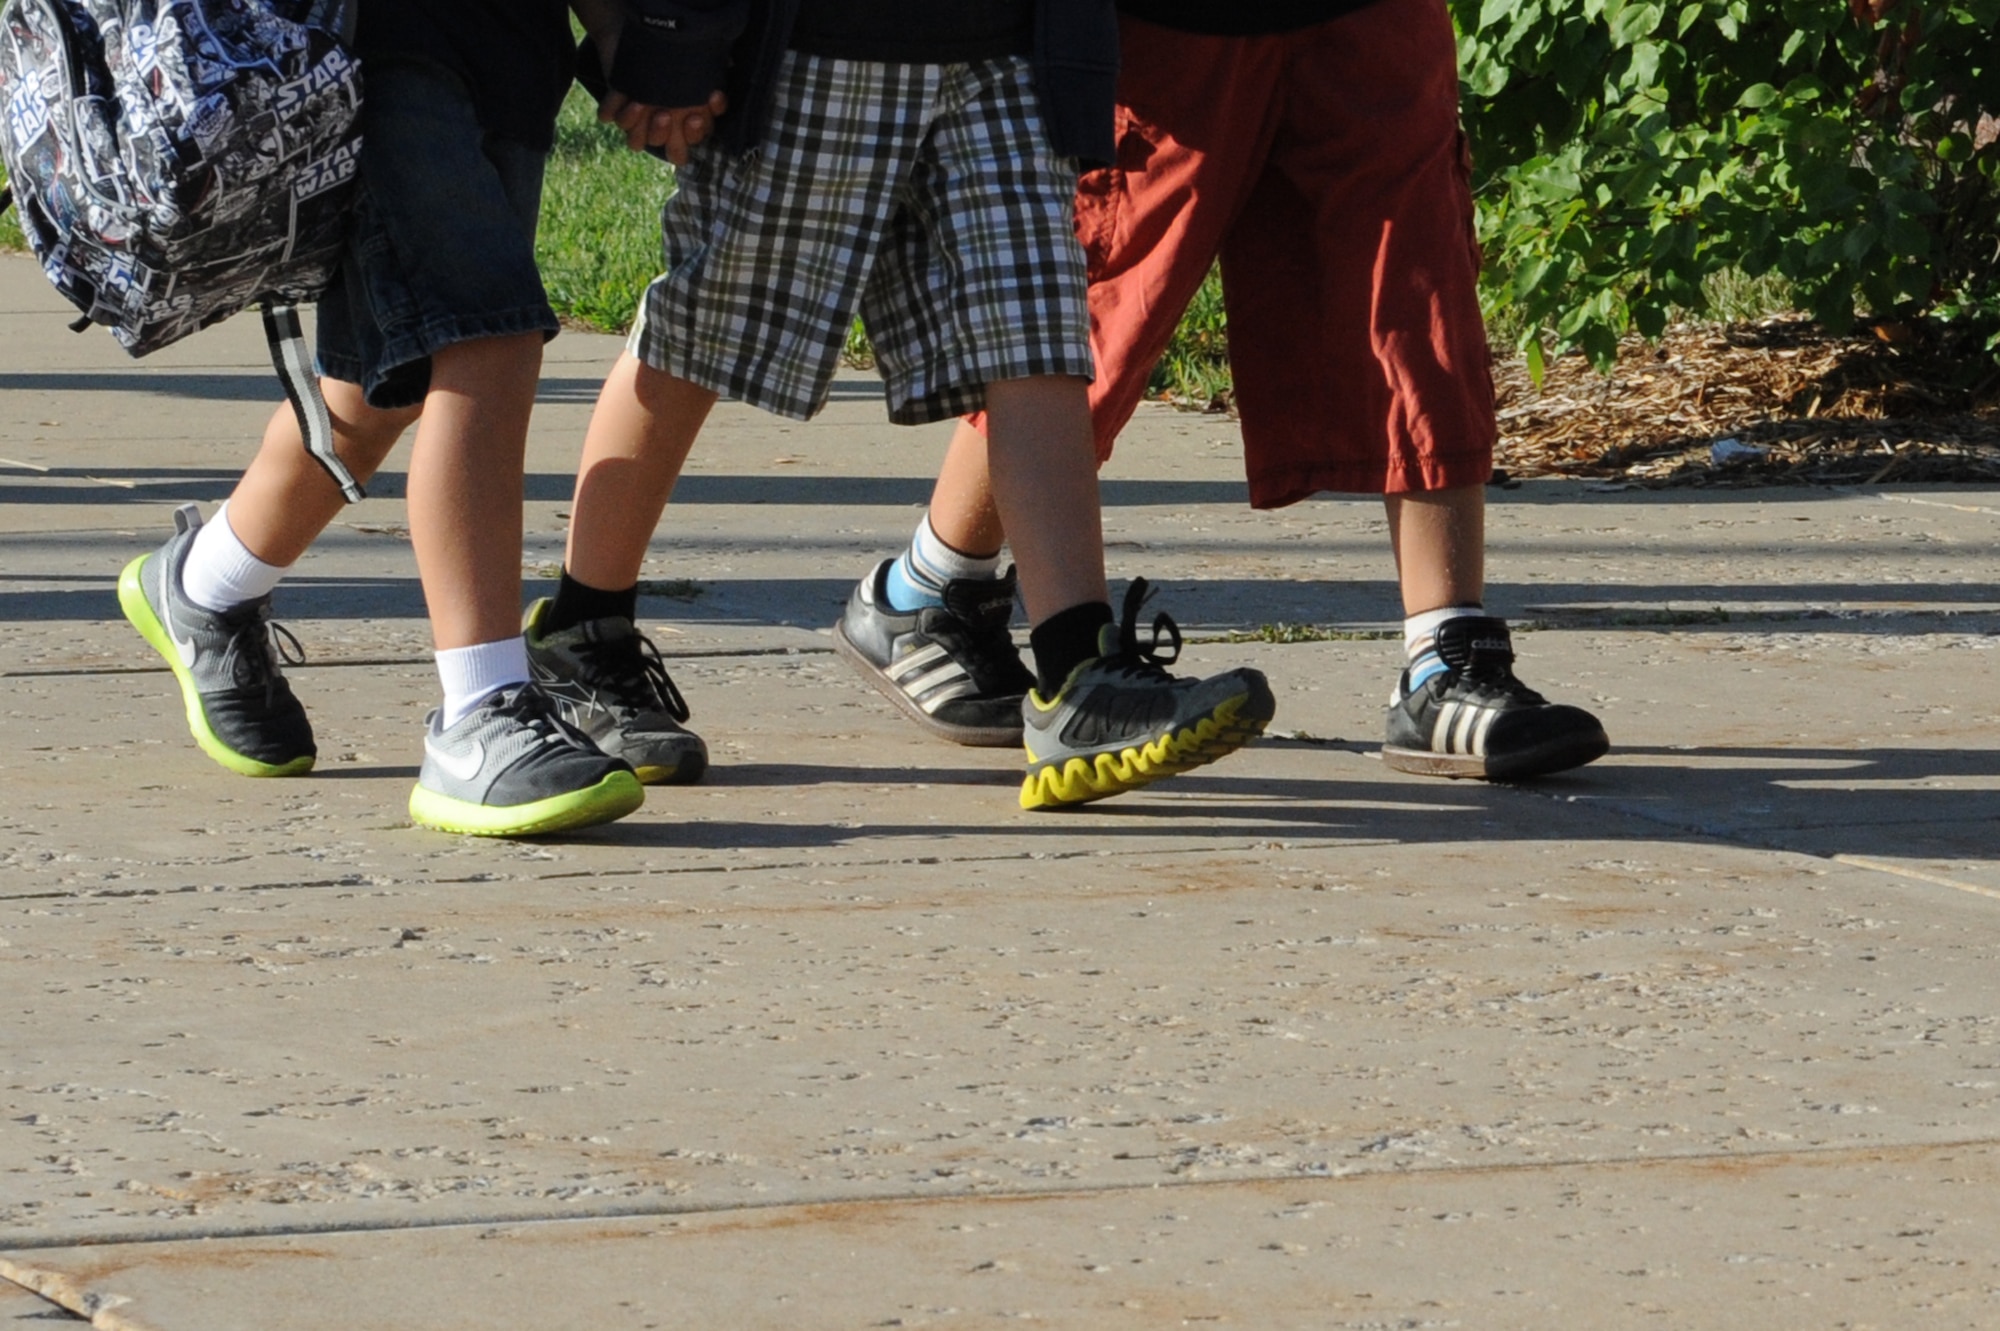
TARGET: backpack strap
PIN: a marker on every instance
(295, 371)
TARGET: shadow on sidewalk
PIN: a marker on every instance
(1815, 800)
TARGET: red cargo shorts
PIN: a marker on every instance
(1327, 170)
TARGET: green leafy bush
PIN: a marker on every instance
(1633, 149)
(1194, 369)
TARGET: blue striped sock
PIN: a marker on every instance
(918, 576)
(907, 590)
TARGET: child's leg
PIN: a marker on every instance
(1151, 232)
(960, 538)
(497, 761)
(1458, 709)
(466, 488)
(962, 509)
(640, 433)
(585, 643)
(1439, 540)
(203, 599)
(1045, 489)
(286, 499)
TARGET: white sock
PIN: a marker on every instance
(1419, 630)
(469, 674)
(221, 573)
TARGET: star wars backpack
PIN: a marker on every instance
(175, 161)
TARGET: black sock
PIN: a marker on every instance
(576, 603)
(1064, 641)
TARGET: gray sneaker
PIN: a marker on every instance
(513, 767)
(240, 708)
(611, 684)
(1120, 721)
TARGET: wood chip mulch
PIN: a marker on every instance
(1775, 402)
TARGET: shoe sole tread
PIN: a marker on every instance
(1081, 780)
(1557, 755)
(612, 798)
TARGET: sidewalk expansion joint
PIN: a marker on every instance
(668, 871)
(500, 1216)
(1742, 839)
(1920, 875)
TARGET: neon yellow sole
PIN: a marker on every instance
(1081, 780)
(615, 796)
(132, 600)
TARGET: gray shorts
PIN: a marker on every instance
(923, 197)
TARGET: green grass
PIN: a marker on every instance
(1734, 298)
(10, 226)
(1194, 370)
(599, 240)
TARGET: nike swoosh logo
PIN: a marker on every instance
(464, 767)
(185, 646)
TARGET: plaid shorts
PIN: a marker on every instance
(925, 197)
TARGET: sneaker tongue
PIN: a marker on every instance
(611, 629)
(1473, 641)
(986, 601)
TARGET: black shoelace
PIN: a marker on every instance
(257, 647)
(630, 669)
(1151, 660)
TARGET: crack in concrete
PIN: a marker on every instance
(1739, 839)
(1261, 845)
(1763, 1159)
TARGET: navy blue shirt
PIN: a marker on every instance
(514, 56)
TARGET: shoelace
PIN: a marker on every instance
(1151, 660)
(256, 650)
(538, 712)
(631, 668)
(1497, 681)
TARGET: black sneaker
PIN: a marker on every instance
(612, 685)
(1477, 720)
(512, 767)
(953, 669)
(1121, 721)
(239, 706)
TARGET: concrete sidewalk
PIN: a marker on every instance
(1702, 1035)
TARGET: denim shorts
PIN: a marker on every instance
(443, 245)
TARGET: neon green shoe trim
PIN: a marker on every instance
(1080, 780)
(132, 600)
(615, 796)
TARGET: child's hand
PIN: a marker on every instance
(673, 130)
